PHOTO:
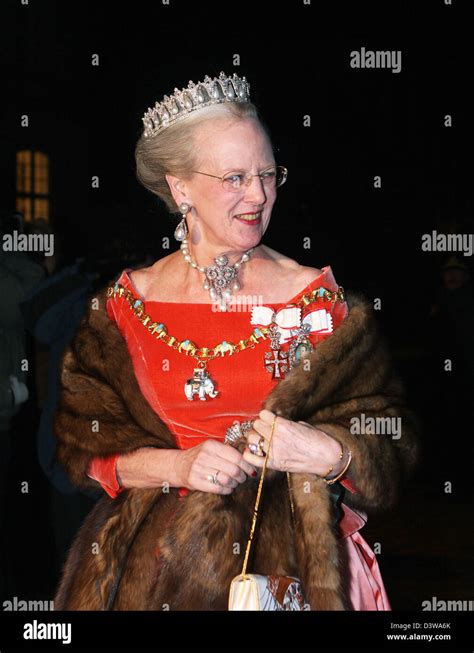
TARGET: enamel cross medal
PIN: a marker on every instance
(276, 357)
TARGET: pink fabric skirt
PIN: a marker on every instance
(363, 584)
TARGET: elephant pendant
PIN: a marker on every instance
(201, 384)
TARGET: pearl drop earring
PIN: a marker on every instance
(181, 232)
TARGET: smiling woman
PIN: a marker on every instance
(227, 144)
(218, 169)
(223, 172)
(178, 152)
(191, 397)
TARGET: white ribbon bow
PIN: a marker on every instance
(289, 318)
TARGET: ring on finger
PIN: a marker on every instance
(212, 478)
(257, 449)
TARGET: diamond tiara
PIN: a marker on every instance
(196, 96)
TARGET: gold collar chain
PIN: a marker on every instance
(205, 354)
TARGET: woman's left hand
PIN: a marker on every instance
(296, 446)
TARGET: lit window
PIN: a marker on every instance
(32, 185)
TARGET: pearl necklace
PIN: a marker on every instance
(221, 277)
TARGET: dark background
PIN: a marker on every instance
(364, 123)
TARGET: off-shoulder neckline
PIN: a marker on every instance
(325, 271)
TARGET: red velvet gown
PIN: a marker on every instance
(242, 382)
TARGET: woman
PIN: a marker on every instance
(177, 435)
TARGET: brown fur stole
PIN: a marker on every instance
(111, 564)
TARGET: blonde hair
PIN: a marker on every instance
(174, 151)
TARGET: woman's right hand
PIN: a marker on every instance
(194, 465)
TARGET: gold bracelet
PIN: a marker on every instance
(336, 478)
(340, 458)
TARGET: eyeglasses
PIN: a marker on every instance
(272, 177)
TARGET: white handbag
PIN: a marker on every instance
(259, 592)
